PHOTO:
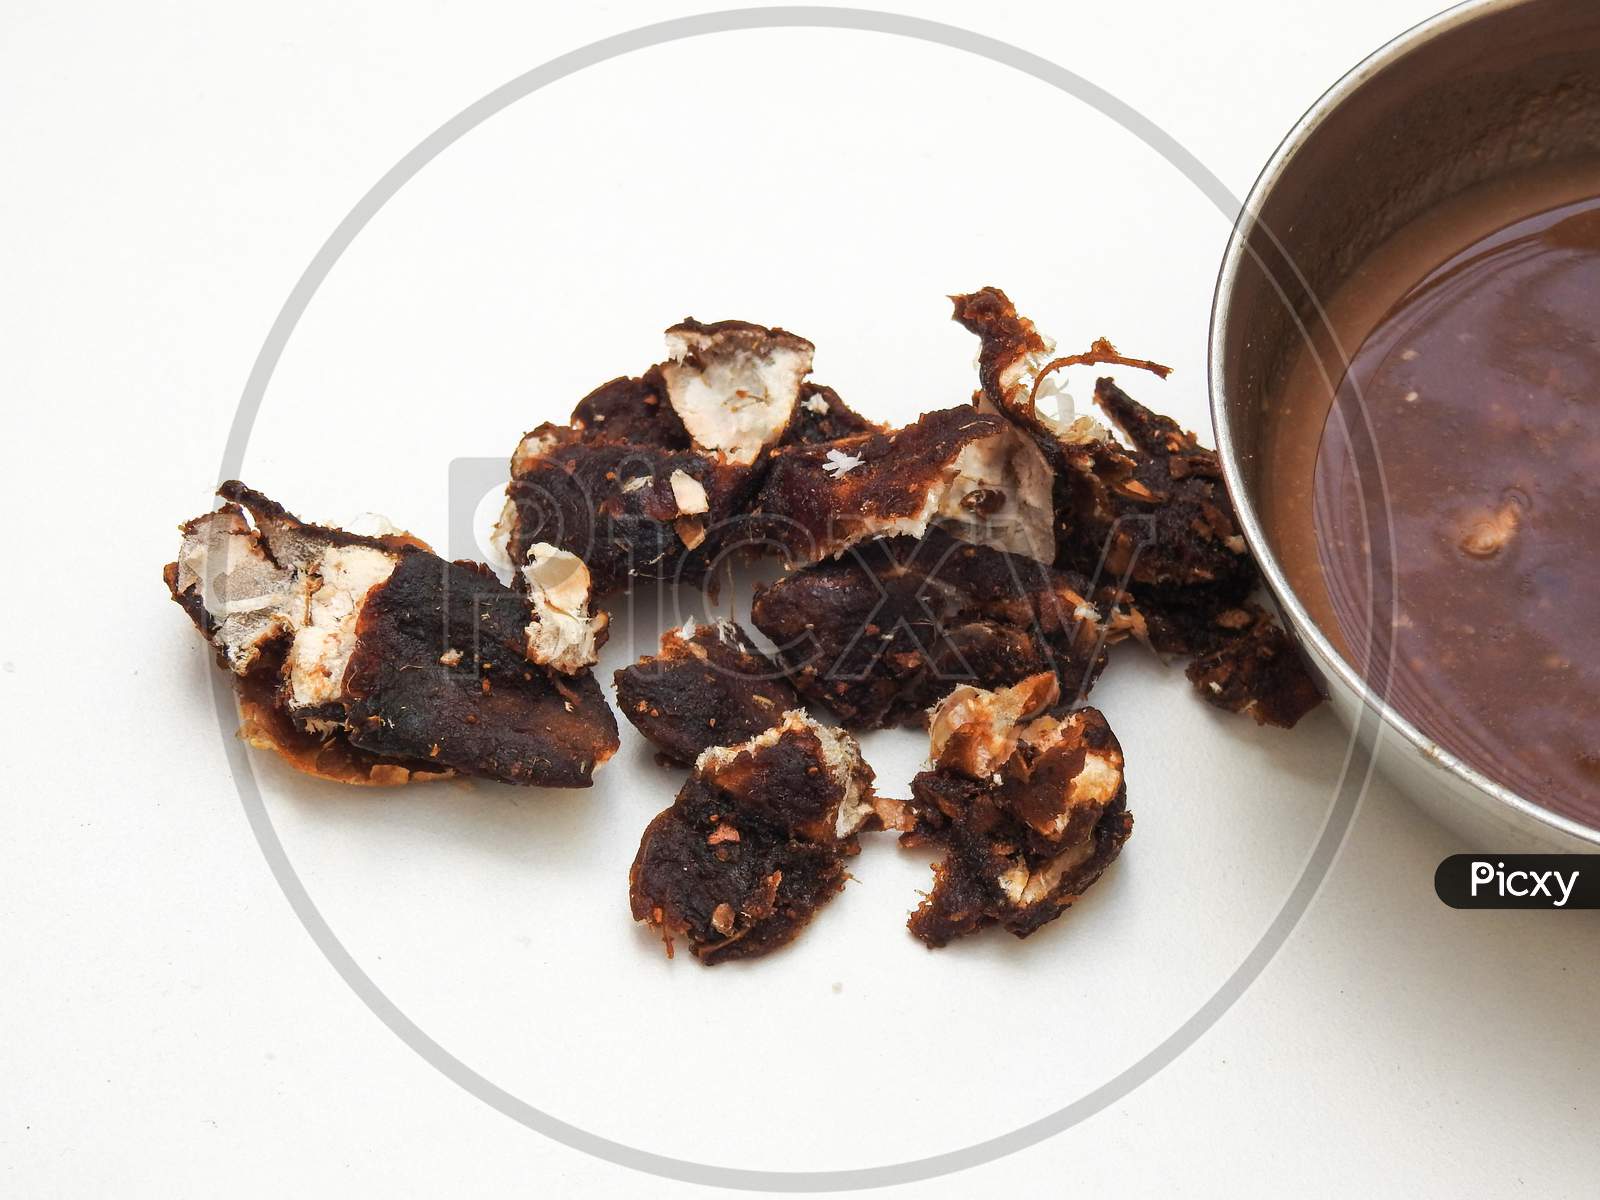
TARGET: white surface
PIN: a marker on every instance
(170, 1029)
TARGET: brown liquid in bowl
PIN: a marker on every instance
(1446, 526)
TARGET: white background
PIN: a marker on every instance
(166, 1026)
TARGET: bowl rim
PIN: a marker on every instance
(1250, 524)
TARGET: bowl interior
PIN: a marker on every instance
(1483, 91)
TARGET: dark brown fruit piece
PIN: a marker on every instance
(1156, 512)
(632, 410)
(1170, 518)
(734, 385)
(1193, 574)
(265, 724)
(638, 410)
(628, 510)
(708, 686)
(648, 479)
(955, 468)
(372, 660)
(1152, 517)
(1256, 669)
(490, 712)
(891, 627)
(1012, 358)
(754, 843)
(824, 417)
(1029, 812)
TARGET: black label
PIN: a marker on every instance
(1519, 881)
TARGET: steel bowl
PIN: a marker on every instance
(1480, 91)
